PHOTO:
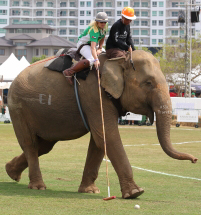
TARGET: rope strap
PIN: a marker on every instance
(78, 103)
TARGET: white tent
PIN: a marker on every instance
(10, 59)
(24, 63)
(9, 68)
(12, 67)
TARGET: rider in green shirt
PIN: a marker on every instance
(93, 35)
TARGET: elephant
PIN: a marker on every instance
(43, 110)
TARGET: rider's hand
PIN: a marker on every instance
(99, 51)
(97, 64)
(130, 49)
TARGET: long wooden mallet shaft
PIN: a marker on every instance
(104, 139)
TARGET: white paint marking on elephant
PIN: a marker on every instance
(164, 112)
(49, 99)
(163, 173)
(41, 99)
(157, 144)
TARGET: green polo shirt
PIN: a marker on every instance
(92, 34)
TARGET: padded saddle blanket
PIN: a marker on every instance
(63, 60)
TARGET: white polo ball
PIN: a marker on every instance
(137, 207)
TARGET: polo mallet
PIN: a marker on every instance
(132, 61)
(103, 126)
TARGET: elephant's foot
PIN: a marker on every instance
(37, 185)
(88, 189)
(12, 172)
(132, 193)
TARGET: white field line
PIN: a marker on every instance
(150, 127)
(163, 173)
(6, 124)
(159, 144)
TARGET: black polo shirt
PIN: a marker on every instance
(120, 37)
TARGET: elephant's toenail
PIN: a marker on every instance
(140, 189)
(42, 188)
(134, 191)
(126, 195)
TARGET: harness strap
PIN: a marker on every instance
(78, 103)
(78, 50)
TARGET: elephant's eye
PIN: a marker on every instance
(148, 83)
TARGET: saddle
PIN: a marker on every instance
(64, 59)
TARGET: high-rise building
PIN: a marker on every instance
(156, 19)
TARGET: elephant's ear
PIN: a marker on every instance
(112, 76)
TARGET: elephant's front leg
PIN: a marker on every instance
(90, 174)
(120, 162)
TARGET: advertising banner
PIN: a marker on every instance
(187, 116)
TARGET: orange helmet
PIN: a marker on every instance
(128, 13)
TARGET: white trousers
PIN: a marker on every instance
(86, 52)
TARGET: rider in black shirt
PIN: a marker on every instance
(119, 40)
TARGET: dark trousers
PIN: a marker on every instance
(115, 53)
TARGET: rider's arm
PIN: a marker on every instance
(93, 50)
(94, 54)
(94, 41)
(101, 42)
(129, 40)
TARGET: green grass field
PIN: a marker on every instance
(177, 192)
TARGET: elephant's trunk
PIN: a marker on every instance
(163, 121)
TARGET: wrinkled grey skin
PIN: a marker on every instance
(43, 110)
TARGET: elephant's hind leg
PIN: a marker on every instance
(36, 181)
(92, 165)
(16, 166)
(33, 147)
(29, 158)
